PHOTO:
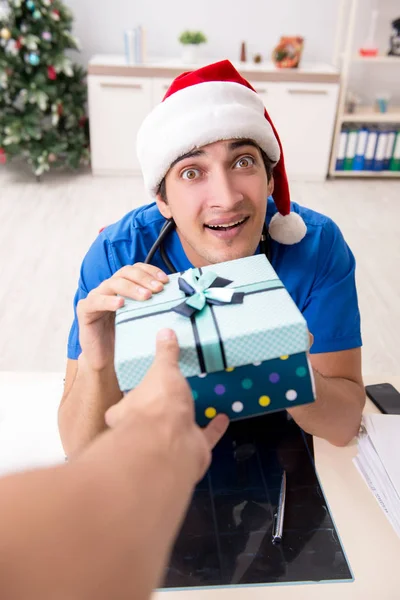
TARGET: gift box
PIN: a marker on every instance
(243, 341)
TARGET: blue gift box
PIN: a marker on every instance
(243, 341)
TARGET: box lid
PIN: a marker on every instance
(265, 326)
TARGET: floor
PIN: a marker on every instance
(45, 229)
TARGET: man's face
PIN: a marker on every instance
(217, 196)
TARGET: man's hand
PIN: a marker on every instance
(165, 398)
(96, 313)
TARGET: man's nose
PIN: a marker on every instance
(224, 195)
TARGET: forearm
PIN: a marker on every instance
(82, 410)
(336, 413)
(83, 531)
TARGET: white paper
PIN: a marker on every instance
(378, 462)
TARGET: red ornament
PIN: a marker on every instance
(60, 109)
(18, 45)
(55, 14)
(3, 157)
(82, 121)
(51, 73)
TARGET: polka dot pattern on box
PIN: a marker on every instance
(251, 390)
(237, 407)
(301, 371)
(264, 401)
(219, 389)
(210, 412)
(247, 384)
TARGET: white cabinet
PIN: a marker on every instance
(117, 106)
(160, 87)
(303, 113)
(304, 117)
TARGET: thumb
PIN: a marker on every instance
(167, 348)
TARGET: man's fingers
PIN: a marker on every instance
(310, 340)
(114, 414)
(125, 287)
(131, 271)
(95, 304)
(167, 348)
(215, 430)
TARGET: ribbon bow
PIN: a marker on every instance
(205, 289)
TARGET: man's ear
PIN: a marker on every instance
(271, 185)
(163, 207)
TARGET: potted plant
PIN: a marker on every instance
(191, 41)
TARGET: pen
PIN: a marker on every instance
(280, 513)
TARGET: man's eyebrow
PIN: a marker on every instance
(187, 155)
(240, 143)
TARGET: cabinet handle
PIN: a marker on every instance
(133, 86)
(313, 92)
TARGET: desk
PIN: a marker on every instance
(29, 437)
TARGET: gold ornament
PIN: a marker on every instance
(5, 33)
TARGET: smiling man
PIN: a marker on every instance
(212, 161)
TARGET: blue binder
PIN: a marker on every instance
(389, 148)
(380, 151)
(370, 149)
(359, 158)
(341, 150)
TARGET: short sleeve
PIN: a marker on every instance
(331, 309)
(98, 265)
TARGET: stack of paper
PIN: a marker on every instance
(378, 462)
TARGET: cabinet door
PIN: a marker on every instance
(117, 107)
(160, 86)
(270, 94)
(304, 116)
(305, 123)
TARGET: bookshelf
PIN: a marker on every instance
(363, 116)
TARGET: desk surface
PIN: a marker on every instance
(371, 544)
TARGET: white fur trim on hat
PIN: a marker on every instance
(289, 229)
(196, 116)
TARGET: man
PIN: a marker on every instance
(103, 525)
(211, 158)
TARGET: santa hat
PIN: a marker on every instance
(208, 105)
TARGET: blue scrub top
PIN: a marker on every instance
(318, 272)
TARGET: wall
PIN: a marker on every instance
(100, 25)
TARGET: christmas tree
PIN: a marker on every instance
(42, 92)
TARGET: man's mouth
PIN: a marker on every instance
(226, 226)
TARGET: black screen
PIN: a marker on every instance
(226, 538)
(385, 396)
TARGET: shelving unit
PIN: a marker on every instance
(355, 174)
(363, 114)
(376, 59)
